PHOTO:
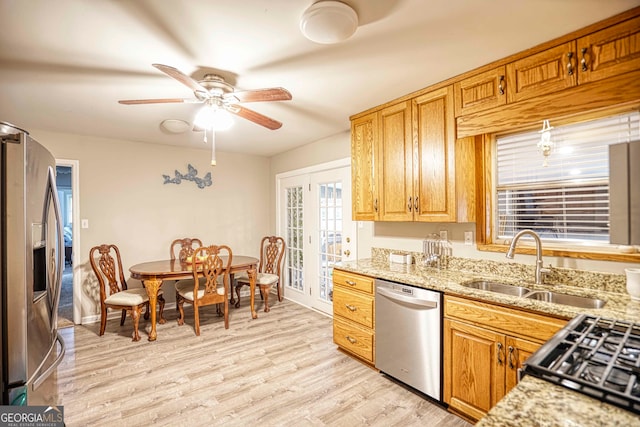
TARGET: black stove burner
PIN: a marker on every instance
(595, 356)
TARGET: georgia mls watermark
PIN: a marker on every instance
(31, 416)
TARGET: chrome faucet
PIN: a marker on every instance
(540, 270)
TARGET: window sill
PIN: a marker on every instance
(585, 253)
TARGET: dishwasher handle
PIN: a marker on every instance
(394, 296)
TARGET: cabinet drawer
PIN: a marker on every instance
(353, 281)
(542, 73)
(354, 339)
(481, 92)
(353, 306)
(504, 319)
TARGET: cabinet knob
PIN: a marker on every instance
(350, 282)
(501, 85)
(347, 252)
(351, 307)
(351, 340)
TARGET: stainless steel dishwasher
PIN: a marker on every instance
(408, 346)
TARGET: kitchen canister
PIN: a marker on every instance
(633, 282)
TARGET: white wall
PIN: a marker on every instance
(124, 198)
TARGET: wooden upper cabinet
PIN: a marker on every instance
(609, 52)
(434, 195)
(480, 92)
(395, 154)
(546, 72)
(364, 136)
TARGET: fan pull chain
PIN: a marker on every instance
(213, 146)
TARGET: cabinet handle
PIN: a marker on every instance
(375, 205)
(351, 340)
(410, 205)
(501, 85)
(415, 204)
(569, 63)
(511, 364)
(351, 307)
(583, 61)
(347, 252)
(350, 282)
(499, 353)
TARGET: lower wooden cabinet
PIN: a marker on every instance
(484, 348)
(353, 314)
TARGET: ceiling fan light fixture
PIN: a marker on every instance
(213, 118)
(328, 22)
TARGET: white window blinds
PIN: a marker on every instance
(568, 199)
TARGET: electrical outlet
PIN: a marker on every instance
(468, 237)
(84, 223)
(444, 235)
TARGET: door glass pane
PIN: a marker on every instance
(294, 238)
(329, 235)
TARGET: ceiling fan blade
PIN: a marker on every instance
(181, 77)
(259, 95)
(255, 117)
(158, 101)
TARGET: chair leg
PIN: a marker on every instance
(180, 307)
(239, 286)
(103, 320)
(161, 302)
(147, 314)
(279, 287)
(177, 296)
(196, 316)
(122, 317)
(226, 314)
(135, 315)
(264, 291)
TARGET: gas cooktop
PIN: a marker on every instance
(595, 356)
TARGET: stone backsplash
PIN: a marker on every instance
(518, 272)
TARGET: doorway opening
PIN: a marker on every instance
(67, 184)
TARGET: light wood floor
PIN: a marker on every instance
(280, 369)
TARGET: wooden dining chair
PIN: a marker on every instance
(269, 270)
(204, 288)
(186, 246)
(107, 265)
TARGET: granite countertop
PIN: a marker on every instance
(618, 305)
(536, 402)
(533, 402)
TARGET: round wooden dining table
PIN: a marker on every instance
(153, 273)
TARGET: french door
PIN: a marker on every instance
(315, 220)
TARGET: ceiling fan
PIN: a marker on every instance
(219, 98)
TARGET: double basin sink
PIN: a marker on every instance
(546, 296)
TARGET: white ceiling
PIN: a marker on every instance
(64, 64)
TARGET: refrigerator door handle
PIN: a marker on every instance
(43, 376)
(52, 194)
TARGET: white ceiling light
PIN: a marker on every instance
(328, 22)
(175, 126)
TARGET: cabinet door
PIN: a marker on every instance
(434, 166)
(609, 52)
(518, 350)
(481, 92)
(364, 134)
(474, 368)
(546, 72)
(395, 151)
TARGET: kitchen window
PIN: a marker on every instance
(563, 196)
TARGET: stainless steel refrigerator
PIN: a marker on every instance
(31, 264)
